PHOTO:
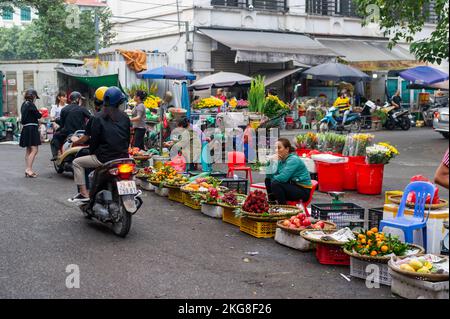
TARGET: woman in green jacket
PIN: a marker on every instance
(288, 178)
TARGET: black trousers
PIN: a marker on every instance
(283, 192)
(139, 134)
(57, 142)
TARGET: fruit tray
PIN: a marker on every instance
(425, 277)
(381, 259)
(328, 226)
(258, 229)
(229, 217)
(189, 202)
(175, 195)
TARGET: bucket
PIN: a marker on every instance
(369, 178)
(350, 171)
(331, 176)
(301, 151)
(159, 161)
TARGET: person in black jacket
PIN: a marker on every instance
(110, 139)
(29, 136)
(73, 118)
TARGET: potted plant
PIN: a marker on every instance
(256, 95)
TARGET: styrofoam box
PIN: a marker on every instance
(310, 164)
(328, 158)
(212, 210)
(293, 241)
(163, 192)
(411, 288)
(435, 227)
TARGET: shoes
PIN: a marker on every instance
(78, 199)
(32, 175)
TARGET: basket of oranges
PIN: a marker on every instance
(372, 245)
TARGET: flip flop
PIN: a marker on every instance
(33, 175)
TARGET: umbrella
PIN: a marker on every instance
(424, 75)
(335, 72)
(166, 72)
(221, 79)
(185, 104)
(436, 86)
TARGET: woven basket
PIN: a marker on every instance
(141, 157)
(156, 184)
(273, 217)
(318, 241)
(220, 203)
(424, 277)
(380, 259)
(396, 199)
(174, 186)
(296, 231)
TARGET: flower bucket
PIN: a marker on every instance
(369, 178)
(350, 171)
(301, 151)
(331, 176)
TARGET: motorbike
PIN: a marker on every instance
(68, 153)
(114, 197)
(397, 118)
(8, 128)
(332, 122)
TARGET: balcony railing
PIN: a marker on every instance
(268, 5)
(344, 8)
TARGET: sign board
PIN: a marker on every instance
(12, 82)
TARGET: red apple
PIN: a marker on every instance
(306, 222)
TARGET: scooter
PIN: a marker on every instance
(332, 122)
(68, 153)
(397, 118)
(114, 196)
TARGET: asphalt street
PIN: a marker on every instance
(171, 251)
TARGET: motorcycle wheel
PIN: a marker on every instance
(405, 124)
(390, 125)
(58, 169)
(122, 227)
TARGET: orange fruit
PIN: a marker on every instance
(374, 230)
(361, 236)
(369, 242)
(363, 241)
(367, 247)
(369, 233)
(384, 248)
(373, 253)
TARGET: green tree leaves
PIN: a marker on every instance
(400, 20)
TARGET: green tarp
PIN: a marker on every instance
(81, 74)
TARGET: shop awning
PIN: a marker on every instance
(272, 76)
(370, 55)
(94, 81)
(271, 47)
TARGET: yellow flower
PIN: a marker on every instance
(209, 102)
(152, 102)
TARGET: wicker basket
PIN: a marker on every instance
(380, 259)
(258, 229)
(396, 199)
(424, 277)
(175, 195)
(273, 217)
(328, 226)
(304, 234)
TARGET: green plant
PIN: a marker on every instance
(256, 94)
(273, 106)
(381, 115)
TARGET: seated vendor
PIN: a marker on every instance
(288, 178)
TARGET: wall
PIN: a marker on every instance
(16, 21)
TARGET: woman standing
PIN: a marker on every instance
(29, 136)
(138, 118)
(61, 101)
(290, 179)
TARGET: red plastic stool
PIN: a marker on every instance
(305, 205)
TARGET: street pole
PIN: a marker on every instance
(97, 34)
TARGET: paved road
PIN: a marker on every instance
(171, 251)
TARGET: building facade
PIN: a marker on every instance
(10, 17)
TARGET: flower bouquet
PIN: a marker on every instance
(152, 102)
(381, 153)
(241, 104)
(273, 106)
(208, 102)
(356, 144)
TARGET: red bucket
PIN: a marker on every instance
(350, 171)
(369, 178)
(301, 151)
(331, 176)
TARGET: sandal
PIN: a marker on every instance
(33, 175)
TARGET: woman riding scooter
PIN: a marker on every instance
(110, 137)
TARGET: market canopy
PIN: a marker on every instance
(336, 72)
(166, 72)
(424, 75)
(272, 76)
(271, 47)
(443, 86)
(371, 55)
(85, 76)
(221, 79)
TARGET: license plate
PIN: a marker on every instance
(127, 188)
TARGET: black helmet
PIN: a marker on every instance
(114, 97)
(30, 94)
(75, 96)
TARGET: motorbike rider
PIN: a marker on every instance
(343, 105)
(396, 100)
(110, 138)
(73, 118)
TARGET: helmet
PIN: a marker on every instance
(75, 96)
(100, 93)
(30, 94)
(113, 97)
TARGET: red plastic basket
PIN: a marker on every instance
(331, 255)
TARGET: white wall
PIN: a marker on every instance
(16, 21)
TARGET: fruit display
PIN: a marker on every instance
(164, 174)
(373, 243)
(202, 184)
(210, 197)
(232, 199)
(256, 202)
(426, 264)
(301, 221)
(145, 172)
(176, 180)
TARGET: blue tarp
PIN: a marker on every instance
(166, 72)
(185, 104)
(424, 75)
